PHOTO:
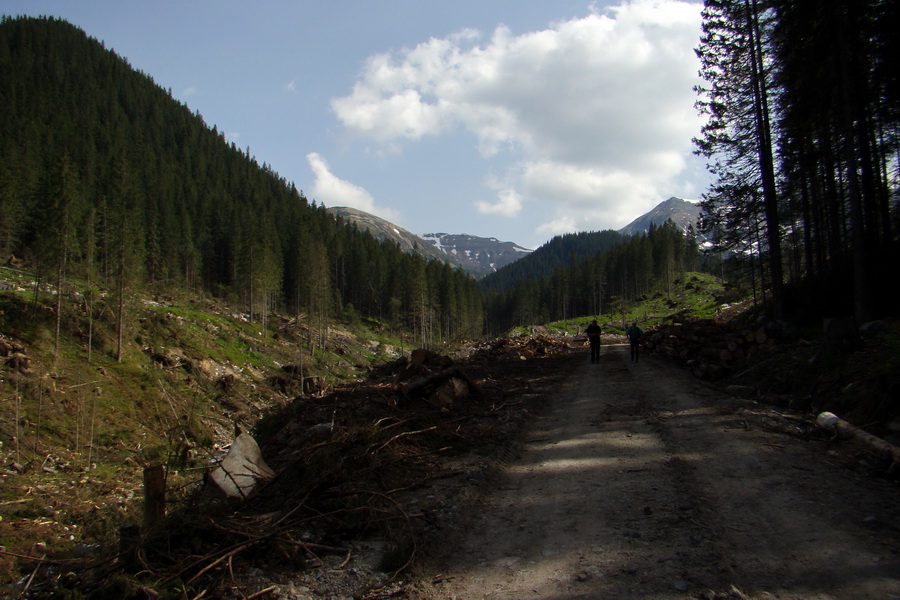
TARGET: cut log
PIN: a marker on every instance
(843, 430)
(710, 353)
(417, 387)
(420, 356)
(451, 392)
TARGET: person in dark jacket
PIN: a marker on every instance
(593, 335)
(634, 334)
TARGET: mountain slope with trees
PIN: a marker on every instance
(105, 178)
(560, 251)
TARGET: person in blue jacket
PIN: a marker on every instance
(634, 334)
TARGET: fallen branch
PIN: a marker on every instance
(401, 435)
(267, 590)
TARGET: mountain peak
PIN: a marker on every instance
(683, 213)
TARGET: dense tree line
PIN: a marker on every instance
(560, 251)
(106, 179)
(803, 107)
(593, 285)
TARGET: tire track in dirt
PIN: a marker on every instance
(785, 522)
(636, 483)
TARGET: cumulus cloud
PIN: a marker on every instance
(595, 112)
(331, 190)
(508, 204)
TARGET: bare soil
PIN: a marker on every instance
(636, 480)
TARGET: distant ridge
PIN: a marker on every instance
(381, 229)
(475, 255)
(501, 264)
(478, 255)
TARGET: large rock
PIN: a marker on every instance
(242, 468)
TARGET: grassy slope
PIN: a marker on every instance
(695, 296)
(76, 434)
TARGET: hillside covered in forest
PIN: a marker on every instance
(587, 274)
(107, 180)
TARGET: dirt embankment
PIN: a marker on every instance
(639, 481)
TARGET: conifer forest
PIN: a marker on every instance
(803, 107)
(108, 180)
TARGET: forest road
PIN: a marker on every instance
(639, 481)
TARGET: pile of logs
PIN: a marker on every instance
(710, 349)
(438, 380)
(523, 348)
(431, 377)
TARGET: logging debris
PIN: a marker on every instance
(355, 479)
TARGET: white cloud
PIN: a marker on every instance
(330, 190)
(508, 204)
(588, 198)
(595, 112)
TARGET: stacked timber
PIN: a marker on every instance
(708, 348)
(525, 348)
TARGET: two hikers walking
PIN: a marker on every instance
(633, 333)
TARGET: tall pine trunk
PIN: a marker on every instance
(766, 161)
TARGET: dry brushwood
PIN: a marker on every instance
(343, 463)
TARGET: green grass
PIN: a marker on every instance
(101, 421)
(695, 296)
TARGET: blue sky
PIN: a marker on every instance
(515, 119)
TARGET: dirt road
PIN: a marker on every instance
(638, 481)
